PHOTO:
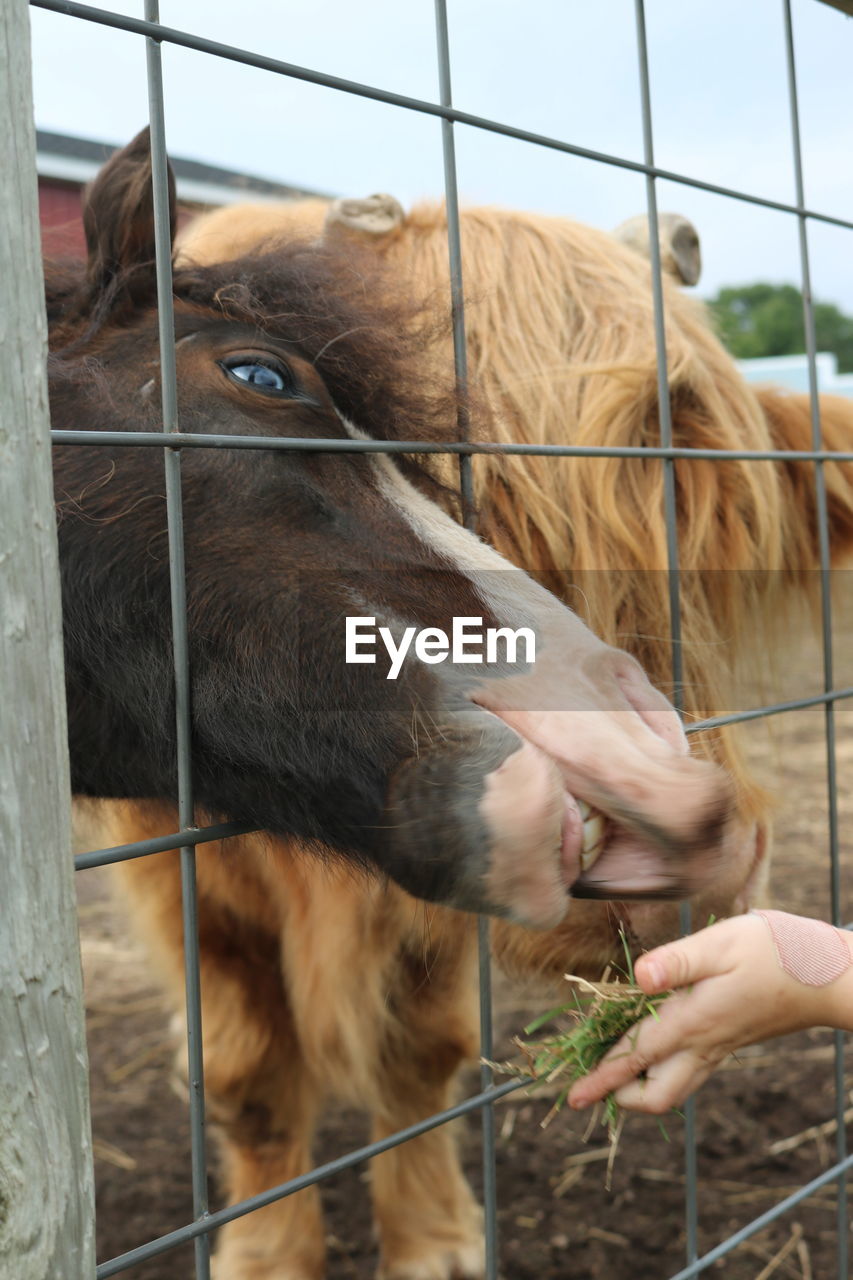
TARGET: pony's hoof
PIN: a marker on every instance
(464, 1262)
(232, 1265)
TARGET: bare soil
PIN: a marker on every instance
(634, 1232)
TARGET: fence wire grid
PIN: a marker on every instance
(172, 441)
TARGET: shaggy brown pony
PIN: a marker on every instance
(320, 982)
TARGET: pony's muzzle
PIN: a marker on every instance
(487, 820)
(476, 823)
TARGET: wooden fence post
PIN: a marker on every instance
(46, 1181)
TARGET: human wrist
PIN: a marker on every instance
(838, 995)
(817, 957)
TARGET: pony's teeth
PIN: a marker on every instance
(585, 810)
(593, 839)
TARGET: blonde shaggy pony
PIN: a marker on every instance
(319, 982)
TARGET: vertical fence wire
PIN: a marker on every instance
(825, 609)
(180, 644)
(466, 484)
(672, 553)
(454, 246)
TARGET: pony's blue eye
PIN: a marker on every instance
(258, 375)
(271, 377)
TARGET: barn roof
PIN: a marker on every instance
(66, 158)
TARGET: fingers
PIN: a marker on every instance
(666, 1085)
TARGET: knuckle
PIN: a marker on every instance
(679, 967)
(638, 1063)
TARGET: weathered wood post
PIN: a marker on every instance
(46, 1182)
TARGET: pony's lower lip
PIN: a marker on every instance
(629, 870)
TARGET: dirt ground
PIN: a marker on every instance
(770, 1095)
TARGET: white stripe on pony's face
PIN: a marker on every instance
(520, 601)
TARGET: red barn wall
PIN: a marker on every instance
(60, 214)
(61, 223)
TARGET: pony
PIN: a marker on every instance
(320, 979)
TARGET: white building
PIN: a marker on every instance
(793, 372)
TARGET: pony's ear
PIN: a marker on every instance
(118, 218)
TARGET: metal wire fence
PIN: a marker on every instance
(173, 440)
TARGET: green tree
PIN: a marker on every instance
(767, 320)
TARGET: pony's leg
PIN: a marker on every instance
(267, 1141)
(265, 1108)
(261, 1098)
(429, 1223)
(383, 991)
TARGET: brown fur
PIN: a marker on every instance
(318, 981)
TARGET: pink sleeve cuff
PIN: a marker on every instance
(810, 951)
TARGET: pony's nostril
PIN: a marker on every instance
(652, 708)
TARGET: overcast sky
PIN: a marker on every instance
(567, 68)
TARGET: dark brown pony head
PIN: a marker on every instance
(465, 776)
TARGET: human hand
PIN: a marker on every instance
(738, 992)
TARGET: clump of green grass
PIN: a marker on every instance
(597, 1017)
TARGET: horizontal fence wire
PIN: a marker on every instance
(189, 837)
(299, 444)
(187, 40)
(191, 1231)
(764, 1220)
